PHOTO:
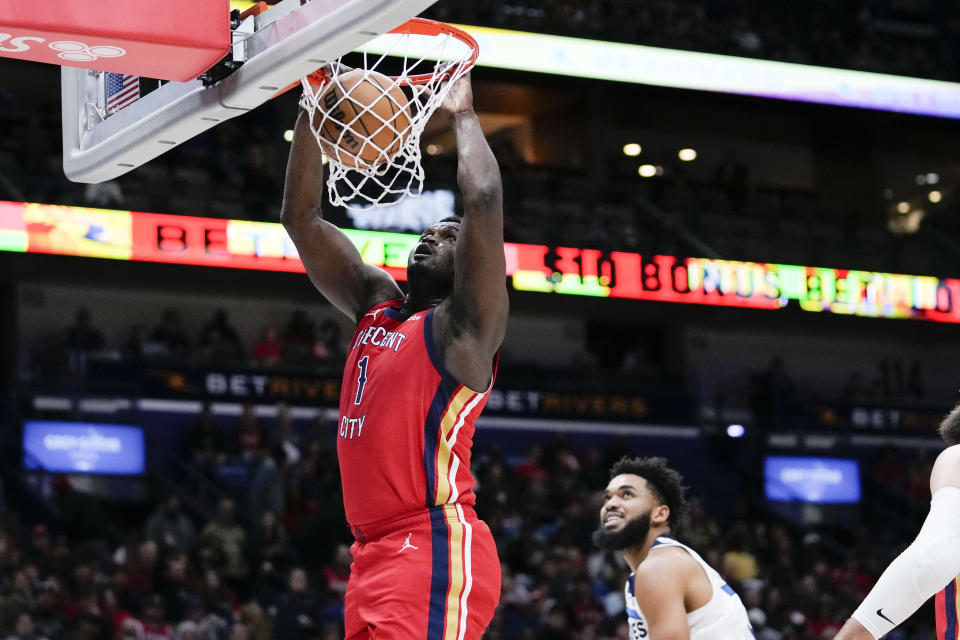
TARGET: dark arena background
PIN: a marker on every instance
(761, 284)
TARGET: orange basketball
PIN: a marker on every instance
(363, 120)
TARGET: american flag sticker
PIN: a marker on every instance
(122, 91)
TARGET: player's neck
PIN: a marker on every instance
(634, 556)
(413, 303)
(425, 293)
(426, 290)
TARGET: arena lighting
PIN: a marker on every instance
(736, 431)
(903, 207)
(933, 178)
(935, 196)
(434, 149)
(887, 193)
(621, 62)
(562, 270)
(687, 155)
(921, 179)
(632, 149)
(288, 135)
(647, 171)
(637, 64)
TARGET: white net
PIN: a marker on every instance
(368, 117)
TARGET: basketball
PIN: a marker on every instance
(364, 120)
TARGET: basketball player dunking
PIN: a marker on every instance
(418, 372)
(672, 593)
(930, 565)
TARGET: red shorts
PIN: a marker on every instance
(434, 575)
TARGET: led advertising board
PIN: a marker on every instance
(813, 480)
(81, 447)
(239, 244)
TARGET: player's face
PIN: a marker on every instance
(435, 250)
(625, 498)
(626, 513)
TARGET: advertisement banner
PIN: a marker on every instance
(83, 447)
(239, 244)
(260, 386)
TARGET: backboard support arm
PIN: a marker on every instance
(289, 41)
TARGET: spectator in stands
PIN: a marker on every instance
(206, 625)
(205, 443)
(170, 527)
(139, 346)
(219, 341)
(296, 610)
(220, 323)
(82, 517)
(268, 351)
(155, 626)
(141, 567)
(47, 614)
(298, 337)
(336, 574)
(270, 542)
(223, 543)
(239, 631)
(267, 485)
(171, 334)
(250, 438)
(131, 629)
(24, 629)
(328, 349)
(533, 466)
(285, 435)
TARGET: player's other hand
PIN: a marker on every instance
(460, 98)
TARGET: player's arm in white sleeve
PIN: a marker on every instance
(924, 568)
(332, 262)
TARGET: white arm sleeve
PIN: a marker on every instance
(922, 570)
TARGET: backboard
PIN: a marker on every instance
(271, 49)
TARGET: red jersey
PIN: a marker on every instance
(406, 425)
(946, 606)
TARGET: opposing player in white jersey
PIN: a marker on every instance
(930, 566)
(672, 593)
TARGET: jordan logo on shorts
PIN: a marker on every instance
(406, 544)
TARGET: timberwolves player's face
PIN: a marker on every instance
(625, 514)
(431, 262)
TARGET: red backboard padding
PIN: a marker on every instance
(171, 40)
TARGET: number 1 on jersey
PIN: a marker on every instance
(362, 379)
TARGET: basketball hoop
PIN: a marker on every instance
(420, 59)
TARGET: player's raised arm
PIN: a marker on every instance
(332, 262)
(929, 564)
(473, 320)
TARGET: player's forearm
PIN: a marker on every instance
(478, 174)
(924, 568)
(303, 186)
(853, 630)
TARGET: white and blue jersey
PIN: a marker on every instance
(723, 618)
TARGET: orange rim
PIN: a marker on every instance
(417, 27)
(426, 27)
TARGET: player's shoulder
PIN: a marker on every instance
(665, 561)
(946, 469)
(950, 454)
